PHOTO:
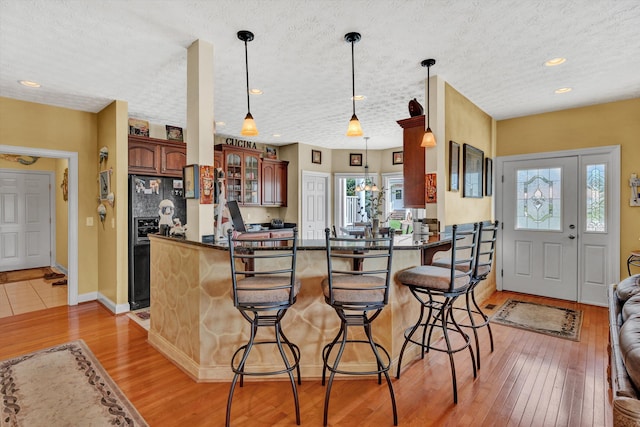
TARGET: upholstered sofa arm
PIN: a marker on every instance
(626, 412)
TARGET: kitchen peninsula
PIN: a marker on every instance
(194, 322)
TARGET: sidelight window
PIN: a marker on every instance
(596, 201)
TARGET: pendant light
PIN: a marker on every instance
(367, 185)
(354, 124)
(428, 140)
(249, 125)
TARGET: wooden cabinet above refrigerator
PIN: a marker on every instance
(157, 157)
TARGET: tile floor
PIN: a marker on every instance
(30, 295)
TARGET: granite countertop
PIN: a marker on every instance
(401, 242)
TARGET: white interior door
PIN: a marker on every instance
(540, 218)
(315, 196)
(25, 220)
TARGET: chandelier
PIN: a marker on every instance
(368, 184)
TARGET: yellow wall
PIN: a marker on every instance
(465, 123)
(615, 123)
(62, 217)
(26, 124)
(112, 234)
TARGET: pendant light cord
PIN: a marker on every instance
(353, 80)
(246, 67)
(428, 96)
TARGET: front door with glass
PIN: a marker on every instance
(540, 215)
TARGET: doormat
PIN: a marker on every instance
(142, 317)
(27, 274)
(545, 319)
(62, 386)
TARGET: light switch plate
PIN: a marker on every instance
(89, 221)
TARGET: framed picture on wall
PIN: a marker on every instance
(430, 188)
(454, 166)
(105, 184)
(488, 176)
(190, 177)
(316, 157)
(355, 159)
(473, 167)
(398, 157)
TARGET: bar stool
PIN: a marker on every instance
(426, 282)
(486, 245)
(263, 289)
(357, 288)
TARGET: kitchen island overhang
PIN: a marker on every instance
(195, 325)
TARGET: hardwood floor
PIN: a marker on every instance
(530, 379)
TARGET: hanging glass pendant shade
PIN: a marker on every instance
(249, 126)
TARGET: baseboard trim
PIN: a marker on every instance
(113, 307)
(91, 296)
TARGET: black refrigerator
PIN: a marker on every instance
(145, 195)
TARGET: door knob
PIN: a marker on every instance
(571, 236)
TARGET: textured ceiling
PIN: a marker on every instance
(87, 53)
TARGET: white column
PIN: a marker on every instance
(199, 130)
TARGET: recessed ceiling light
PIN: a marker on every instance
(555, 61)
(563, 90)
(28, 83)
(276, 135)
(358, 97)
(255, 92)
(220, 123)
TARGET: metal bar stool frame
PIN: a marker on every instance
(260, 312)
(486, 246)
(440, 312)
(357, 311)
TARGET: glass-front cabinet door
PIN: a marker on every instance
(242, 168)
(251, 179)
(234, 176)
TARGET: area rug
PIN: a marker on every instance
(21, 275)
(142, 317)
(63, 385)
(545, 319)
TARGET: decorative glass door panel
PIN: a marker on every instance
(234, 177)
(251, 180)
(596, 200)
(539, 196)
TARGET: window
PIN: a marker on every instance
(596, 202)
(539, 202)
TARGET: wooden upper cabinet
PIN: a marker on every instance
(242, 169)
(173, 160)
(217, 159)
(158, 157)
(414, 162)
(144, 158)
(274, 182)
